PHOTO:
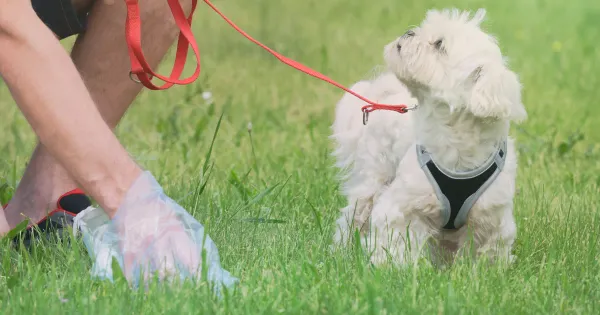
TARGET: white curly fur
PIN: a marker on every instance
(466, 99)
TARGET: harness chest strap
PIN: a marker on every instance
(458, 192)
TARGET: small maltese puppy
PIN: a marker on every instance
(430, 180)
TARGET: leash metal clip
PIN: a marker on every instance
(411, 108)
(134, 79)
(133, 75)
(365, 116)
(366, 112)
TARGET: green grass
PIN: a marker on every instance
(287, 267)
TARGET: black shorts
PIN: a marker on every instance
(60, 16)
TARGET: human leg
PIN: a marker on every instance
(152, 232)
(100, 55)
(37, 71)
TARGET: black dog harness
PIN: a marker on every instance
(458, 192)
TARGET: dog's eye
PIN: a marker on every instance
(438, 43)
(409, 33)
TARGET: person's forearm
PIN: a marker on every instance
(48, 89)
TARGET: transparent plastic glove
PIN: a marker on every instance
(93, 224)
(150, 234)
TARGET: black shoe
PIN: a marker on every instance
(56, 222)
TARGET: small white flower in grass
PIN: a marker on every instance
(61, 298)
(249, 126)
(207, 96)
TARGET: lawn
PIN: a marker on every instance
(272, 195)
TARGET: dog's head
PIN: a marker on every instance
(448, 57)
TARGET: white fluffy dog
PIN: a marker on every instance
(466, 99)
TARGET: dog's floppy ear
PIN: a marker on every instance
(496, 93)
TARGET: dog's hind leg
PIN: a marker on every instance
(373, 169)
(368, 155)
(347, 133)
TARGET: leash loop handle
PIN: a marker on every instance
(140, 67)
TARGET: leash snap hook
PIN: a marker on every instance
(407, 109)
(365, 111)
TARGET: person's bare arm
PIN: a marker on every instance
(52, 96)
(155, 234)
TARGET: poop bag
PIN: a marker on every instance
(150, 235)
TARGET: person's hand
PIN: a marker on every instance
(151, 234)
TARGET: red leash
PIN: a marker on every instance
(141, 69)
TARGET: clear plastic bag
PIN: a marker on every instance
(150, 234)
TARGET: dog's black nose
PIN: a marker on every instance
(398, 47)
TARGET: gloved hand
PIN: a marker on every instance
(149, 234)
